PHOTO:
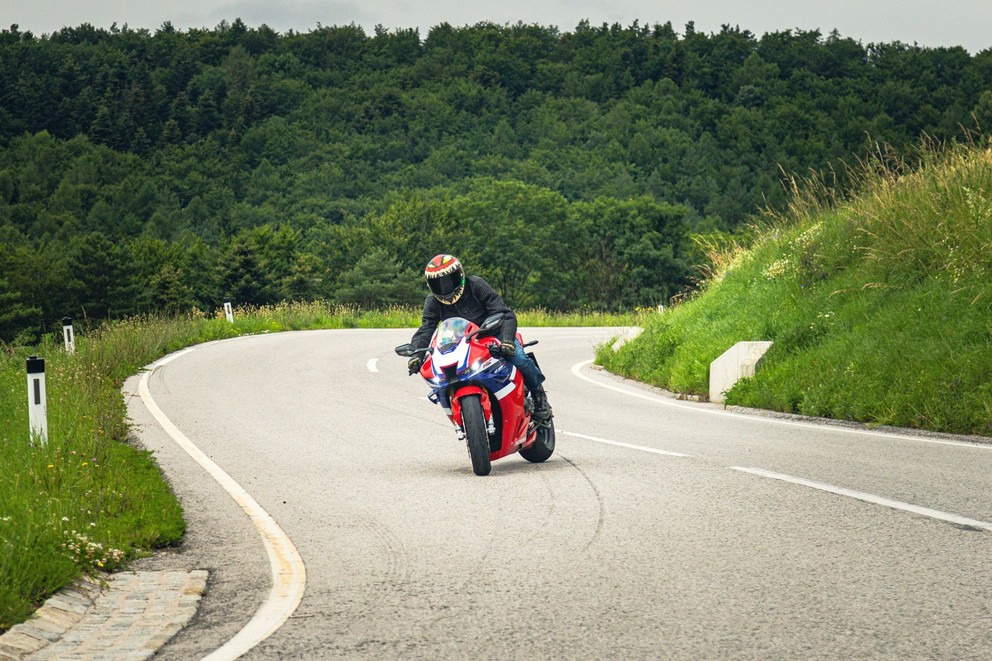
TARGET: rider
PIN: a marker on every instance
(455, 295)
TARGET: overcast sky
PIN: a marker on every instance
(931, 23)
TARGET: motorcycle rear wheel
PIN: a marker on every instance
(544, 445)
(474, 423)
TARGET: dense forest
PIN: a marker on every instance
(146, 171)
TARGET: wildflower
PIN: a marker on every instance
(776, 269)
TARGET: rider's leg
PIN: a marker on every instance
(533, 378)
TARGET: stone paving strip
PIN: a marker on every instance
(130, 617)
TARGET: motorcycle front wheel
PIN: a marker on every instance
(474, 423)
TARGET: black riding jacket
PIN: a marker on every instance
(478, 301)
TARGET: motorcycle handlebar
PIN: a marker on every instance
(494, 348)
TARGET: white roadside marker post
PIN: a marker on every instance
(228, 311)
(68, 335)
(37, 406)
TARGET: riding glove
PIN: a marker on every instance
(414, 364)
(508, 349)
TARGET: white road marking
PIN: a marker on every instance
(288, 570)
(168, 359)
(576, 370)
(372, 365)
(623, 445)
(869, 498)
(841, 491)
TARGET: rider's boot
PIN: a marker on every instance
(542, 410)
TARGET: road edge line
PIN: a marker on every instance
(288, 569)
(577, 372)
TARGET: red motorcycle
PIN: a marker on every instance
(482, 394)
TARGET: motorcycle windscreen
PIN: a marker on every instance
(450, 332)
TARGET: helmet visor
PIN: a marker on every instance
(447, 285)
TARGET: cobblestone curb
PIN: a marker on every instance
(134, 615)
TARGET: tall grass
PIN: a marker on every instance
(89, 501)
(86, 501)
(879, 305)
(578, 318)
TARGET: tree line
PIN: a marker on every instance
(175, 169)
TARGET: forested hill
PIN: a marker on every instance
(145, 171)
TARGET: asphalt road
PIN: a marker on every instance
(659, 528)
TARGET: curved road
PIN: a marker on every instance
(659, 529)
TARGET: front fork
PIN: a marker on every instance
(456, 410)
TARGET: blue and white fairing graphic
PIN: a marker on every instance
(449, 361)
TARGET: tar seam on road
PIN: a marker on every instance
(288, 571)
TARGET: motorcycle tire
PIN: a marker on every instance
(544, 445)
(474, 423)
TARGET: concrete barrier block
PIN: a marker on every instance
(736, 363)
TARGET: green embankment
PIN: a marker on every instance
(879, 306)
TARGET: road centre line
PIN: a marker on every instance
(642, 448)
(840, 491)
(869, 498)
(576, 370)
(288, 570)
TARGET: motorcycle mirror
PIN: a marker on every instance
(490, 324)
(405, 350)
(492, 321)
